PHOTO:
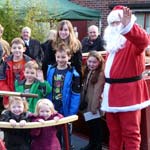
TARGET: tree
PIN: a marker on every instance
(8, 20)
(14, 18)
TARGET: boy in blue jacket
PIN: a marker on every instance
(65, 82)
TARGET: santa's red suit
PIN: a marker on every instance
(125, 91)
(129, 62)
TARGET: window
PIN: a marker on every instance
(143, 19)
(147, 27)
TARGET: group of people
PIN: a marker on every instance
(53, 71)
(21, 71)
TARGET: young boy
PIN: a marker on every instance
(13, 67)
(33, 83)
(65, 82)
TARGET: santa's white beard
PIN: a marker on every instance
(113, 39)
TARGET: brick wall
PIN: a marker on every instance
(103, 6)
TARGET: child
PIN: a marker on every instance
(65, 81)
(45, 138)
(16, 139)
(33, 83)
(91, 97)
(13, 67)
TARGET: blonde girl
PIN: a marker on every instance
(45, 138)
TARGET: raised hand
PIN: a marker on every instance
(126, 18)
(40, 75)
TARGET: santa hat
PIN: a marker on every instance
(115, 14)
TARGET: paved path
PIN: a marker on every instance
(79, 142)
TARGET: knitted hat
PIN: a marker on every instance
(115, 14)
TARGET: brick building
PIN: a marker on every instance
(141, 8)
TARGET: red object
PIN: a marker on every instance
(2, 145)
(66, 136)
(129, 134)
(118, 7)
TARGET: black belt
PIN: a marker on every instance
(123, 80)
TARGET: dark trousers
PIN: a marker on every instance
(95, 136)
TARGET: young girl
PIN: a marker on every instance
(33, 83)
(16, 139)
(45, 138)
(93, 82)
(65, 33)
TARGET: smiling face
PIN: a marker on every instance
(17, 51)
(45, 111)
(92, 63)
(17, 107)
(30, 74)
(93, 33)
(62, 59)
(64, 32)
(26, 33)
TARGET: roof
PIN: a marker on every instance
(57, 9)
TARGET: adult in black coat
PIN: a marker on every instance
(33, 46)
(49, 53)
(93, 41)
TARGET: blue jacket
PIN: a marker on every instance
(70, 91)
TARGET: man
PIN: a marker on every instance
(5, 45)
(125, 91)
(93, 41)
(33, 47)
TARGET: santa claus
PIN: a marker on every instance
(125, 91)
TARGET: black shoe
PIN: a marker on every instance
(87, 147)
(98, 147)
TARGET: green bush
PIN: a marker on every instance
(13, 18)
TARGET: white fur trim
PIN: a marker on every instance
(114, 16)
(109, 64)
(126, 108)
(127, 28)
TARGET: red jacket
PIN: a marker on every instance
(7, 76)
(126, 63)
